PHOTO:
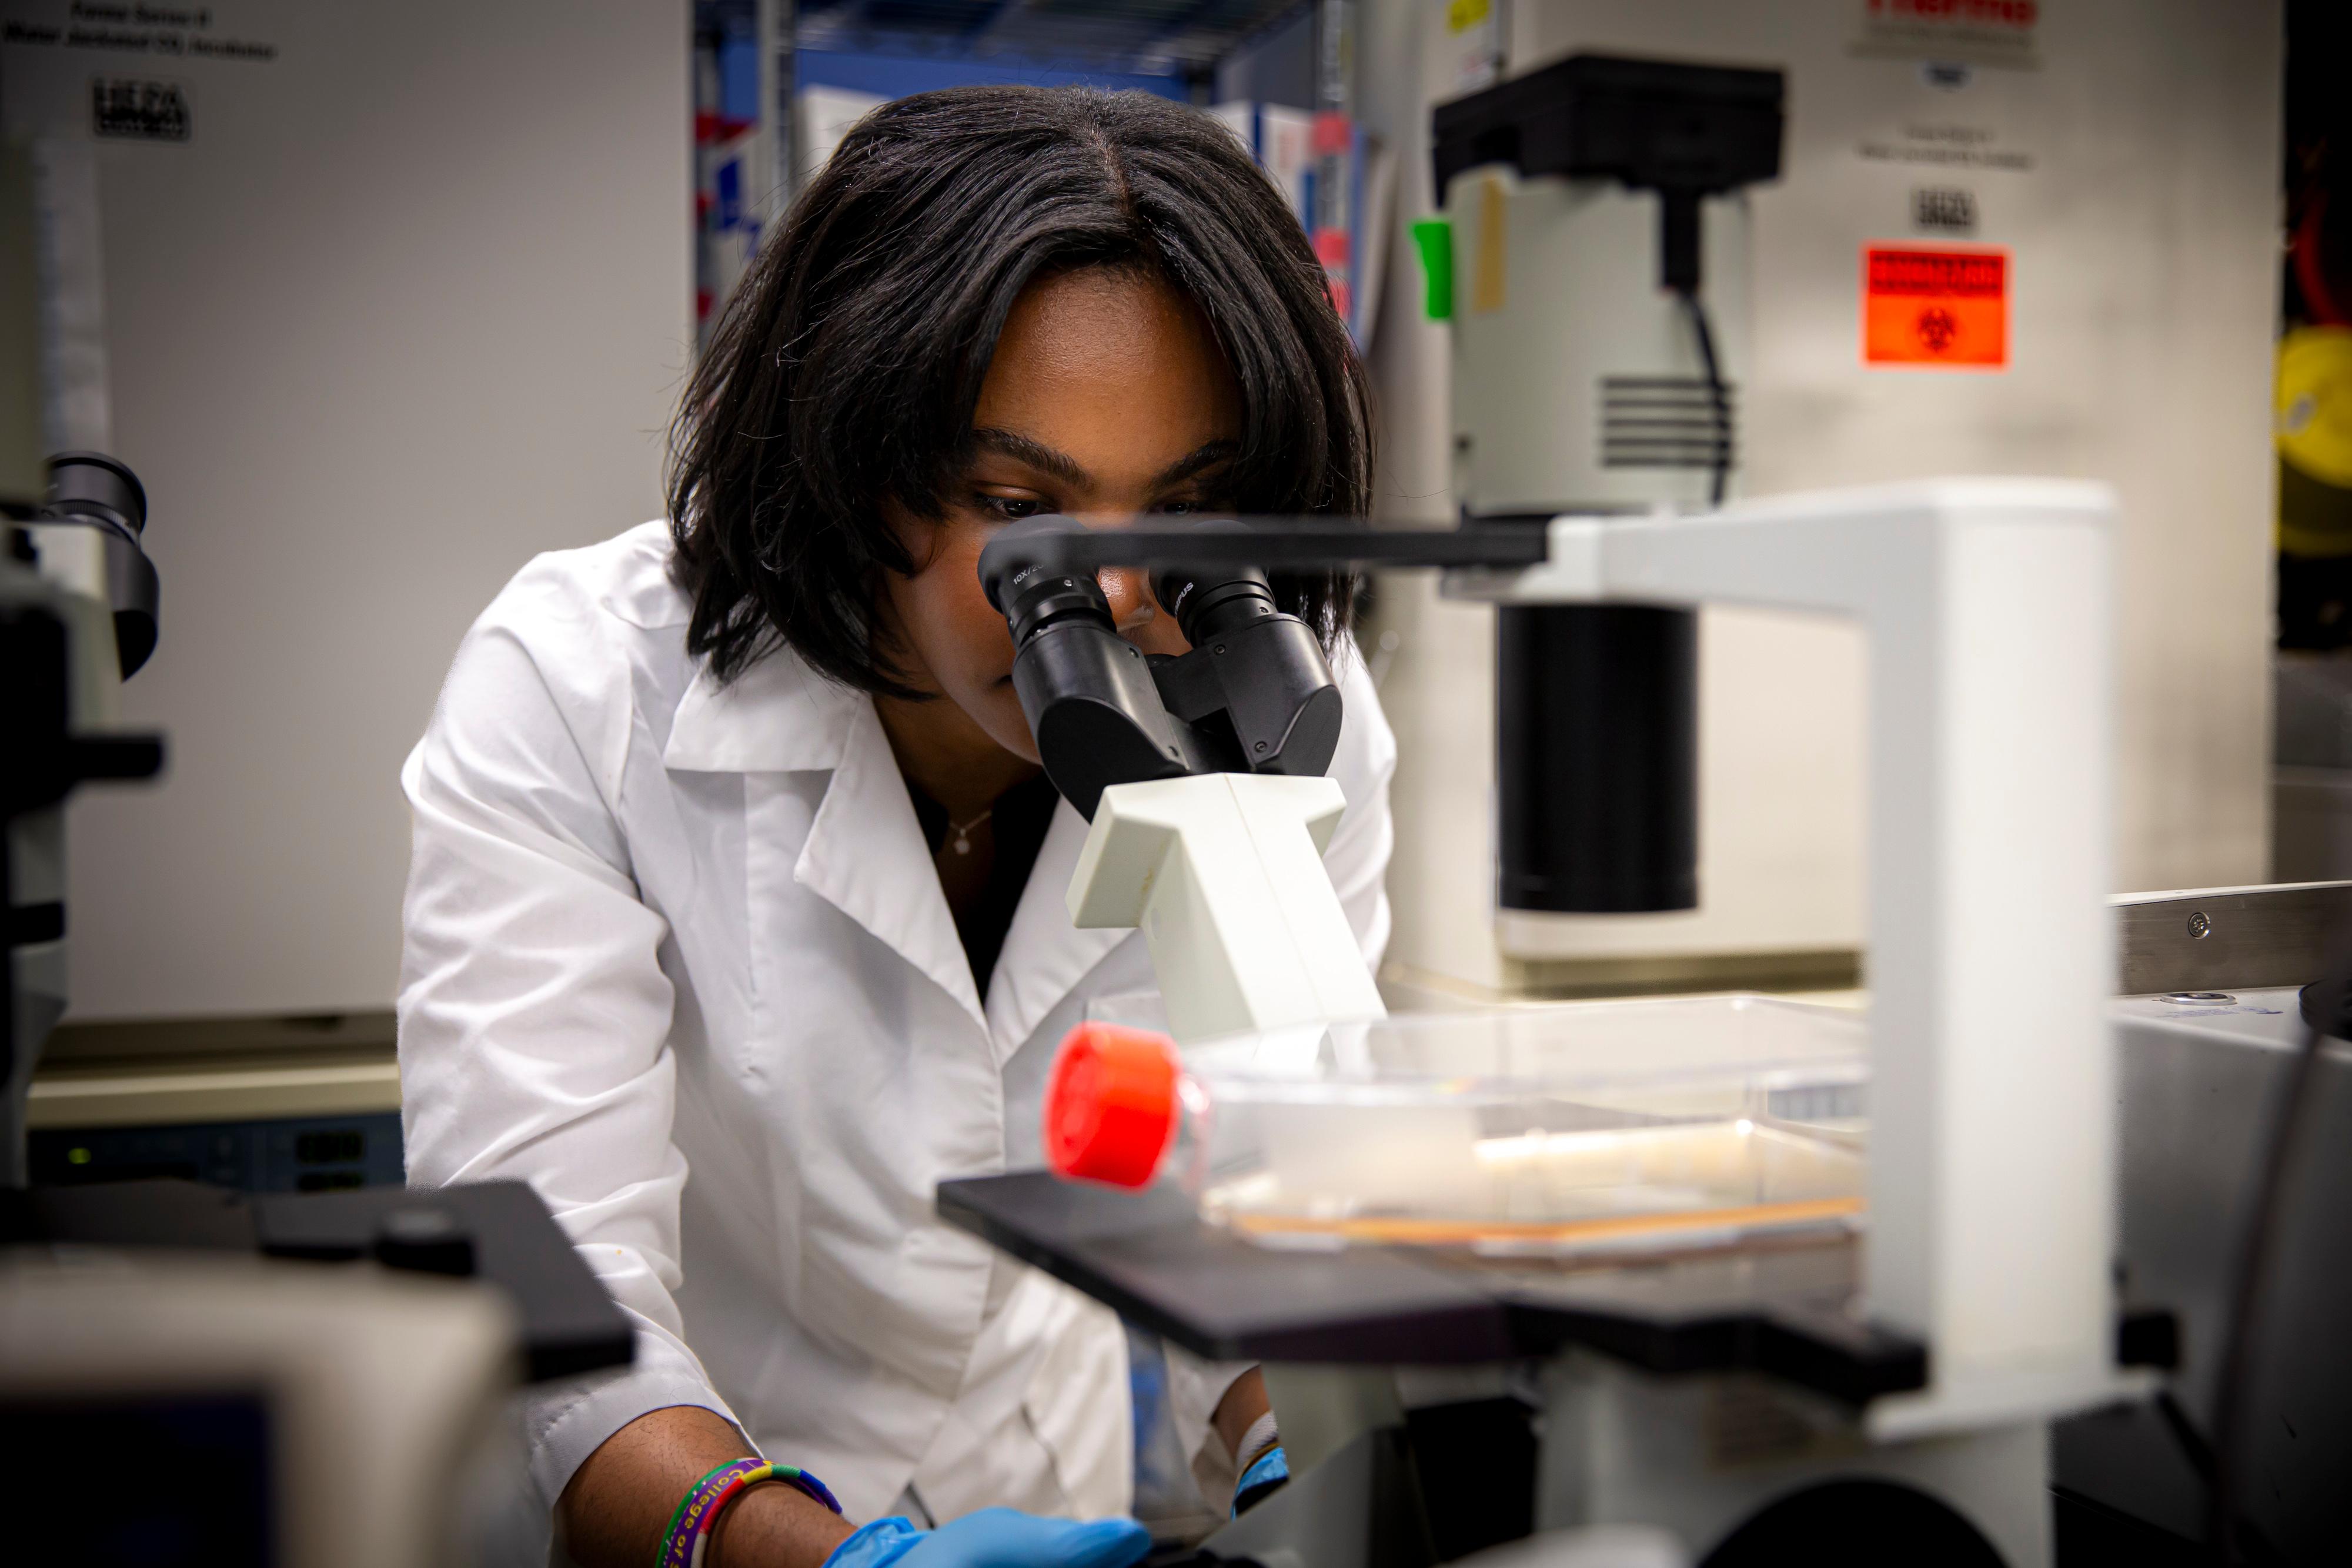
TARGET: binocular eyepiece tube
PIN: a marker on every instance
(1032, 597)
(1255, 695)
(1086, 691)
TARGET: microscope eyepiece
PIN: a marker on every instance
(1030, 596)
(93, 490)
(1208, 601)
(98, 488)
(1087, 692)
(1206, 604)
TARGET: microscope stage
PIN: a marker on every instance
(1779, 1308)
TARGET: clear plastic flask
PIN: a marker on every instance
(1561, 1129)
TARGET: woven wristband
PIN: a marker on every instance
(1263, 1433)
(683, 1543)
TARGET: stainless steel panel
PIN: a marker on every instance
(2231, 939)
(2198, 1095)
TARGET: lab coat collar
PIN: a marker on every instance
(778, 716)
(866, 856)
(1044, 956)
(866, 852)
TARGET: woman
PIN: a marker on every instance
(734, 856)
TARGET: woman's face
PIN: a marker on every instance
(1107, 399)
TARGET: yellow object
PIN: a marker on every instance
(2314, 430)
(2315, 401)
(1461, 15)
(1486, 287)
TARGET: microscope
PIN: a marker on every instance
(77, 618)
(193, 1322)
(1761, 1401)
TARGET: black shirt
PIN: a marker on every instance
(1018, 821)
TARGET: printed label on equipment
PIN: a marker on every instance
(1935, 306)
(1989, 32)
(1945, 207)
(137, 111)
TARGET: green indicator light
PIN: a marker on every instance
(1435, 237)
(76, 1156)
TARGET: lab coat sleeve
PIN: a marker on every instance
(534, 1014)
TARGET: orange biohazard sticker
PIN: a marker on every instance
(1935, 306)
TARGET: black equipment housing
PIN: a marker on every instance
(1685, 131)
(1254, 696)
(1596, 757)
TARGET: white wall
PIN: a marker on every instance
(2146, 266)
(411, 305)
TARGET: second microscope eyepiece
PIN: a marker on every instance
(1206, 603)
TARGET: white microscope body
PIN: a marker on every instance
(1991, 1185)
(1224, 872)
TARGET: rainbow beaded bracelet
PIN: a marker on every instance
(684, 1541)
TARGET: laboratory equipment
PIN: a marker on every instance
(294, 1413)
(77, 618)
(1609, 1130)
(496, 1234)
(1895, 1378)
(270, 1413)
(2203, 1062)
(1212, 843)
(1600, 234)
(1254, 695)
(1597, 217)
(1988, 1179)
(1596, 224)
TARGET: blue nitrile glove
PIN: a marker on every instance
(995, 1538)
(1267, 1474)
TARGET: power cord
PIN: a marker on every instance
(1717, 394)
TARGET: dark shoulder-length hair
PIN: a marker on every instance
(847, 367)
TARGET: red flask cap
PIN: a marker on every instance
(1110, 1105)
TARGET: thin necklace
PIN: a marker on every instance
(963, 831)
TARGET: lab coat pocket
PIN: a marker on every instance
(1078, 1404)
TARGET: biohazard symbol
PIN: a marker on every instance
(1935, 306)
(1937, 329)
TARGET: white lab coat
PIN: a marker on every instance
(677, 956)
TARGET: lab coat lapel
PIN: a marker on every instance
(1044, 956)
(778, 716)
(865, 855)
